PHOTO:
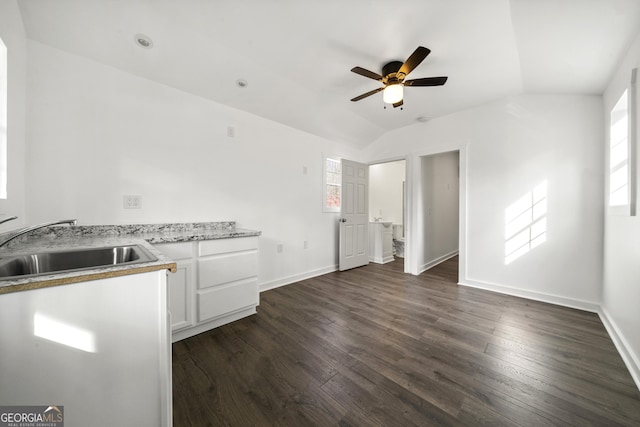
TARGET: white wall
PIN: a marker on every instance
(438, 223)
(97, 133)
(385, 191)
(509, 147)
(12, 34)
(621, 289)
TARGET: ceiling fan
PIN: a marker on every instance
(393, 78)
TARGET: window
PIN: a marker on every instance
(332, 182)
(3, 120)
(619, 153)
(623, 134)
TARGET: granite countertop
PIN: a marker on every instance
(59, 238)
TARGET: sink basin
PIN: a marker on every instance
(72, 260)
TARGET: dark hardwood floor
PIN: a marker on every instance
(375, 347)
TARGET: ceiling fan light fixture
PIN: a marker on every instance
(394, 78)
(392, 93)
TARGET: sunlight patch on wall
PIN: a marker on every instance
(62, 333)
(526, 223)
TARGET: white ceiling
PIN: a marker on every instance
(296, 54)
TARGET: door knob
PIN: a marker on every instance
(343, 219)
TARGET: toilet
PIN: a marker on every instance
(398, 240)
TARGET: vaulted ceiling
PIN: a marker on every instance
(296, 54)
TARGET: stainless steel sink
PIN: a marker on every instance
(72, 260)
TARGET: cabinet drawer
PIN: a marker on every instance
(226, 299)
(180, 250)
(216, 270)
(220, 246)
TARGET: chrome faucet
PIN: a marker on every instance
(36, 227)
(11, 218)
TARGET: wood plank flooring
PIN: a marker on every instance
(375, 347)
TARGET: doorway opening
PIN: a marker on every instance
(387, 211)
(437, 198)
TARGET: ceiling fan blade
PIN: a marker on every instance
(427, 81)
(398, 104)
(414, 60)
(367, 73)
(364, 95)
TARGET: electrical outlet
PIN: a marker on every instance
(132, 202)
(231, 132)
(279, 248)
(306, 244)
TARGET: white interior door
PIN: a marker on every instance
(354, 215)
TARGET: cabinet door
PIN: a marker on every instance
(387, 243)
(181, 294)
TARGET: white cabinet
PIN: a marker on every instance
(227, 277)
(216, 283)
(380, 242)
(180, 289)
(180, 283)
(90, 347)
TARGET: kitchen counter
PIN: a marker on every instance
(61, 238)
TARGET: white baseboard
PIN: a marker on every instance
(227, 318)
(536, 296)
(296, 278)
(383, 260)
(631, 360)
(439, 260)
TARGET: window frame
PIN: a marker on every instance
(326, 184)
(631, 109)
(4, 126)
(619, 142)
